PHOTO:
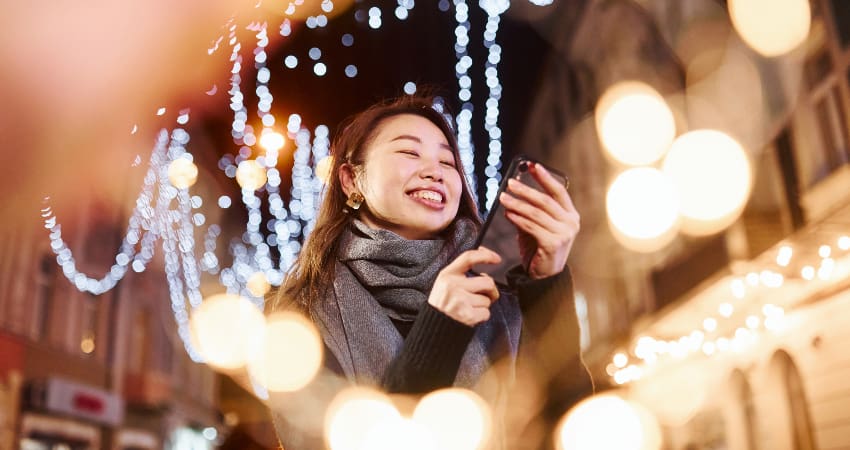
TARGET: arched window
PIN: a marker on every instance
(745, 410)
(802, 437)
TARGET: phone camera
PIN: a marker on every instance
(523, 166)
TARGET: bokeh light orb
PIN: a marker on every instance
(291, 353)
(458, 418)
(228, 330)
(495, 7)
(713, 177)
(258, 284)
(182, 173)
(608, 422)
(323, 169)
(393, 433)
(634, 123)
(643, 209)
(272, 140)
(301, 11)
(250, 175)
(771, 27)
(353, 414)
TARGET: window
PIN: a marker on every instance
(803, 439)
(138, 342)
(786, 386)
(817, 67)
(825, 137)
(832, 121)
(46, 288)
(745, 408)
(841, 17)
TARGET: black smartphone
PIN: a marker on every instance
(498, 233)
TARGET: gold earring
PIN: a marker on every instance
(355, 200)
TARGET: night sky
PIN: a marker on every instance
(418, 49)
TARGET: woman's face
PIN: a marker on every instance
(409, 179)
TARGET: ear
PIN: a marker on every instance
(347, 179)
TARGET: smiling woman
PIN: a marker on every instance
(384, 273)
(410, 181)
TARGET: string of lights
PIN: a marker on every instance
(494, 10)
(165, 210)
(464, 117)
(710, 337)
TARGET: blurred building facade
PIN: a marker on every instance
(759, 359)
(79, 371)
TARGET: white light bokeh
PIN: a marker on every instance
(353, 413)
(457, 418)
(250, 175)
(228, 330)
(771, 27)
(182, 173)
(272, 141)
(258, 284)
(642, 209)
(620, 360)
(783, 258)
(634, 123)
(712, 176)
(396, 432)
(323, 169)
(291, 354)
(608, 422)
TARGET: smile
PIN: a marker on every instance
(427, 195)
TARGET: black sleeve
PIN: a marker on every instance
(431, 354)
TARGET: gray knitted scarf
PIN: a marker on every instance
(380, 275)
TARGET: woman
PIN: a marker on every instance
(384, 272)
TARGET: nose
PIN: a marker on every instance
(432, 170)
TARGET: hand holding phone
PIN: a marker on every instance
(532, 223)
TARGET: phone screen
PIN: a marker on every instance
(498, 233)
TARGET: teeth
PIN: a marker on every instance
(429, 195)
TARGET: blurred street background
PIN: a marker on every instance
(164, 162)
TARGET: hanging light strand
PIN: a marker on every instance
(464, 117)
(494, 9)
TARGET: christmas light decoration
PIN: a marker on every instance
(731, 331)
(166, 212)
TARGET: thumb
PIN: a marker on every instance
(466, 260)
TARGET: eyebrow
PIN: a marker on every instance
(417, 140)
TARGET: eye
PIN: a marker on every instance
(409, 152)
(448, 164)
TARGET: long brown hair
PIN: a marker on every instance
(313, 270)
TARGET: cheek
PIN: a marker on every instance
(456, 187)
(381, 185)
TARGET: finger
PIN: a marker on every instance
(478, 301)
(474, 316)
(541, 235)
(547, 203)
(469, 308)
(464, 262)
(552, 185)
(481, 285)
(556, 188)
(546, 220)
